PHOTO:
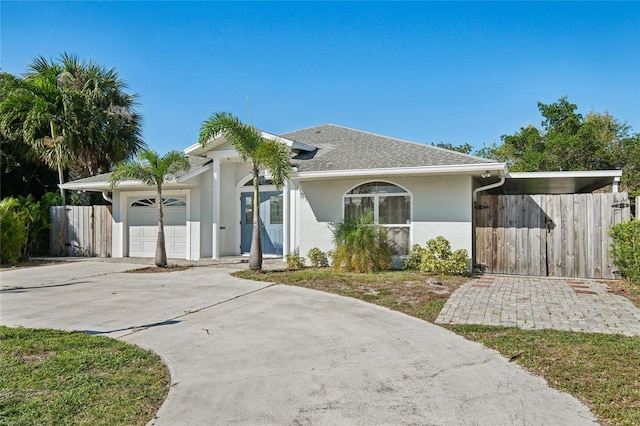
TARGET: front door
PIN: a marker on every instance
(271, 219)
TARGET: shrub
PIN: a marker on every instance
(13, 230)
(437, 258)
(317, 258)
(414, 259)
(294, 261)
(626, 249)
(361, 245)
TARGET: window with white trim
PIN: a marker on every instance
(391, 207)
(150, 202)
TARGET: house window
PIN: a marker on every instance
(391, 207)
(151, 202)
(275, 209)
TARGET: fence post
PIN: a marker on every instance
(638, 207)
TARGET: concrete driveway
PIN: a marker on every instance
(243, 352)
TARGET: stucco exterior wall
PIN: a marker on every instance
(441, 205)
(117, 226)
(205, 190)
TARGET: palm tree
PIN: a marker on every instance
(109, 129)
(152, 170)
(73, 115)
(35, 110)
(262, 153)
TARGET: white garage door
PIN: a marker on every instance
(143, 227)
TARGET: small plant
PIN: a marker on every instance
(626, 249)
(294, 261)
(437, 258)
(317, 258)
(361, 245)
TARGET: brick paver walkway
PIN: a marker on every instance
(539, 303)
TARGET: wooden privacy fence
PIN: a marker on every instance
(548, 235)
(80, 231)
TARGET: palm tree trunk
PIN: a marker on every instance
(161, 249)
(54, 138)
(255, 255)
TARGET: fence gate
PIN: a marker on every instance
(80, 231)
(548, 235)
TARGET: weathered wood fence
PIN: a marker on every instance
(80, 231)
(548, 235)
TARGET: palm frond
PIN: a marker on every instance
(244, 138)
(276, 157)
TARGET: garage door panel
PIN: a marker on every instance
(143, 231)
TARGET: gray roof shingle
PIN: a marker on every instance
(196, 163)
(342, 148)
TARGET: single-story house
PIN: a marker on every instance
(417, 191)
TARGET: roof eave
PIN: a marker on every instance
(471, 169)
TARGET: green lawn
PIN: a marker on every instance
(61, 378)
(603, 371)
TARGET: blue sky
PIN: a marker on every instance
(455, 72)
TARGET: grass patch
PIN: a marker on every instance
(57, 377)
(410, 292)
(600, 370)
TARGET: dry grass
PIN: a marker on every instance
(156, 269)
(406, 291)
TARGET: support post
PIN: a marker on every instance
(286, 219)
(215, 252)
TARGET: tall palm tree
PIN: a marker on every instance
(35, 109)
(73, 115)
(109, 129)
(152, 170)
(262, 153)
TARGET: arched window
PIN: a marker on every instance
(391, 207)
(151, 202)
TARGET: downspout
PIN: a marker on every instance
(503, 177)
(491, 186)
(105, 195)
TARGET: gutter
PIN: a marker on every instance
(408, 171)
(491, 186)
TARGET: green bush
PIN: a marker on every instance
(626, 249)
(294, 261)
(317, 258)
(13, 230)
(414, 259)
(361, 245)
(437, 258)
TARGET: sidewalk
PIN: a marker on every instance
(579, 305)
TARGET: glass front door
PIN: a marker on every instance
(271, 222)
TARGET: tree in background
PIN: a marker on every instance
(569, 141)
(464, 148)
(68, 115)
(20, 174)
(262, 153)
(152, 170)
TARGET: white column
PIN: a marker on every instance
(215, 252)
(616, 184)
(285, 219)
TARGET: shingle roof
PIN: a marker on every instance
(342, 148)
(196, 162)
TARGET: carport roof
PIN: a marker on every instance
(557, 182)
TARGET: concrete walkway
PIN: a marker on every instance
(542, 303)
(252, 353)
